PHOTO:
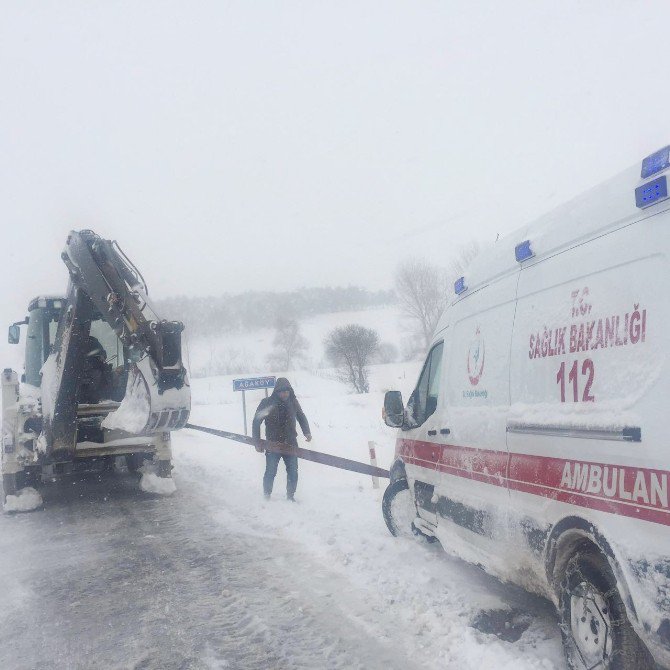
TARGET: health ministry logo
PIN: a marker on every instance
(476, 356)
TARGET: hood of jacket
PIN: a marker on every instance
(283, 384)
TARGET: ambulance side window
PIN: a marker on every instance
(423, 402)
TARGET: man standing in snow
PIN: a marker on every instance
(280, 412)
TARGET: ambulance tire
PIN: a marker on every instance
(393, 503)
(590, 586)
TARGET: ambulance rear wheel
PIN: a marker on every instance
(398, 508)
(594, 625)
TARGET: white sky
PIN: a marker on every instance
(269, 145)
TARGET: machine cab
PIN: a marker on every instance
(42, 323)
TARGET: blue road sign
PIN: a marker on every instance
(253, 383)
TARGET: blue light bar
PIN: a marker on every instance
(459, 286)
(651, 192)
(523, 251)
(657, 162)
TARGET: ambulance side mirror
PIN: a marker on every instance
(394, 409)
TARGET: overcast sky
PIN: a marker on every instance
(272, 145)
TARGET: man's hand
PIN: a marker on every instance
(260, 450)
(308, 437)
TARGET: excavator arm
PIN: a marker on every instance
(104, 283)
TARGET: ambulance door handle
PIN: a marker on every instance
(444, 431)
(432, 432)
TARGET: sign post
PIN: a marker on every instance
(250, 384)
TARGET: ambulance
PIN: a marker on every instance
(536, 443)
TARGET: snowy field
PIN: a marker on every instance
(106, 576)
(253, 347)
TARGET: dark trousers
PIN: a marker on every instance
(271, 464)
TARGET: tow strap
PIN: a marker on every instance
(289, 450)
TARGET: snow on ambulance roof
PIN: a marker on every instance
(612, 204)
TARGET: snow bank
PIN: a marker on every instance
(26, 500)
(152, 483)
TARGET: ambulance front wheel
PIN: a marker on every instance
(398, 508)
(594, 624)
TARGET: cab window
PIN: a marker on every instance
(423, 402)
(42, 325)
(112, 348)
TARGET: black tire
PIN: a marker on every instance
(164, 469)
(9, 485)
(395, 498)
(14, 482)
(135, 461)
(29, 477)
(598, 634)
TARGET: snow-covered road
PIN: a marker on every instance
(216, 577)
(106, 577)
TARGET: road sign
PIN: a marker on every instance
(253, 383)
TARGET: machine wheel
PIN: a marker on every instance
(594, 625)
(14, 482)
(134, 461)
(164, 469)
(398, 508)
(10, 485)
(28, 477)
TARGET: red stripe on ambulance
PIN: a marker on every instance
(617, 489)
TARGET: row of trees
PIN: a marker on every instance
(216, 315)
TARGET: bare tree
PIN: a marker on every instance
(350, 349)
(422, 293)
(387, 352)
(289, 344)
(423, 289)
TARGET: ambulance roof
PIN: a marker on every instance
(607, 206)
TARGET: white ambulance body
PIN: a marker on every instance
(539, 428)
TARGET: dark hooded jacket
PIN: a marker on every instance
(280, 417)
